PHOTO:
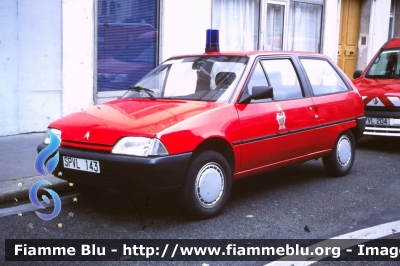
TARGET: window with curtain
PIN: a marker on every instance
(237, 22)
(305, 27)
(274, 27)
(240, 21)
(126, 42)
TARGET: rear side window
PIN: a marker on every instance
(323, 77)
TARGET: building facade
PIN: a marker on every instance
(62, 56)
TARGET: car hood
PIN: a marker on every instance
(108, 122)
(379, 92)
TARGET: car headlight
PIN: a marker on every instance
(140, 146)
(121, 78)
(47, 135)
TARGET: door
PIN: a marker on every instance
(279, 129)
(334, 101)
(348, 36)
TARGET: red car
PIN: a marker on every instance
(198, 122)
(379, 86)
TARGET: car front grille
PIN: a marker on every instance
(374, 130)
(392, 129)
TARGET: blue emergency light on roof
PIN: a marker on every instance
(212, 41)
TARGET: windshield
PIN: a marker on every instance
(198, 78)
(386, 65)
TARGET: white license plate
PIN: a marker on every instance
(378, 121)
(81, 164)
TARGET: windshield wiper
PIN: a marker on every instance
(147, 91)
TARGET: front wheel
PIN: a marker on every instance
(207, 186)
(341, 159)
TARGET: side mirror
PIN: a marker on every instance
(262, 92)
(258, 93)
(357, 74)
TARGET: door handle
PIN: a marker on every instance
(349, 52)
(316, 112)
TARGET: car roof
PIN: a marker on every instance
(393, 43)
(254, 53)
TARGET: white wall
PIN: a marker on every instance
(8, 67)
(78, 56)
(30, 65)
(331, 27)
(183, 27)
(379, 26)
(365, 17)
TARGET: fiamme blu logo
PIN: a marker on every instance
(44, 168)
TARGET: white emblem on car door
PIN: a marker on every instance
(87, 135)
(280, 117)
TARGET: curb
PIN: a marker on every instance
(16, 190)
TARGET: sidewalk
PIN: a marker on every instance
(17, 172)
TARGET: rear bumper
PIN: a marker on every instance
(127, 173)
(361, 122)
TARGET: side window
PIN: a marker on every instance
(257, 79)
(283, 79)
(323, 77)
(386, 64)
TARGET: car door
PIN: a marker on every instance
(334, 101)
(278, 129)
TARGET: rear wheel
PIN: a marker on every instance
(207, 186)
(340, 161)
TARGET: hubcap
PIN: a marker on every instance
(210, 185)
(344, 151)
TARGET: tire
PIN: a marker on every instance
(341, 159)
(207, 186)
